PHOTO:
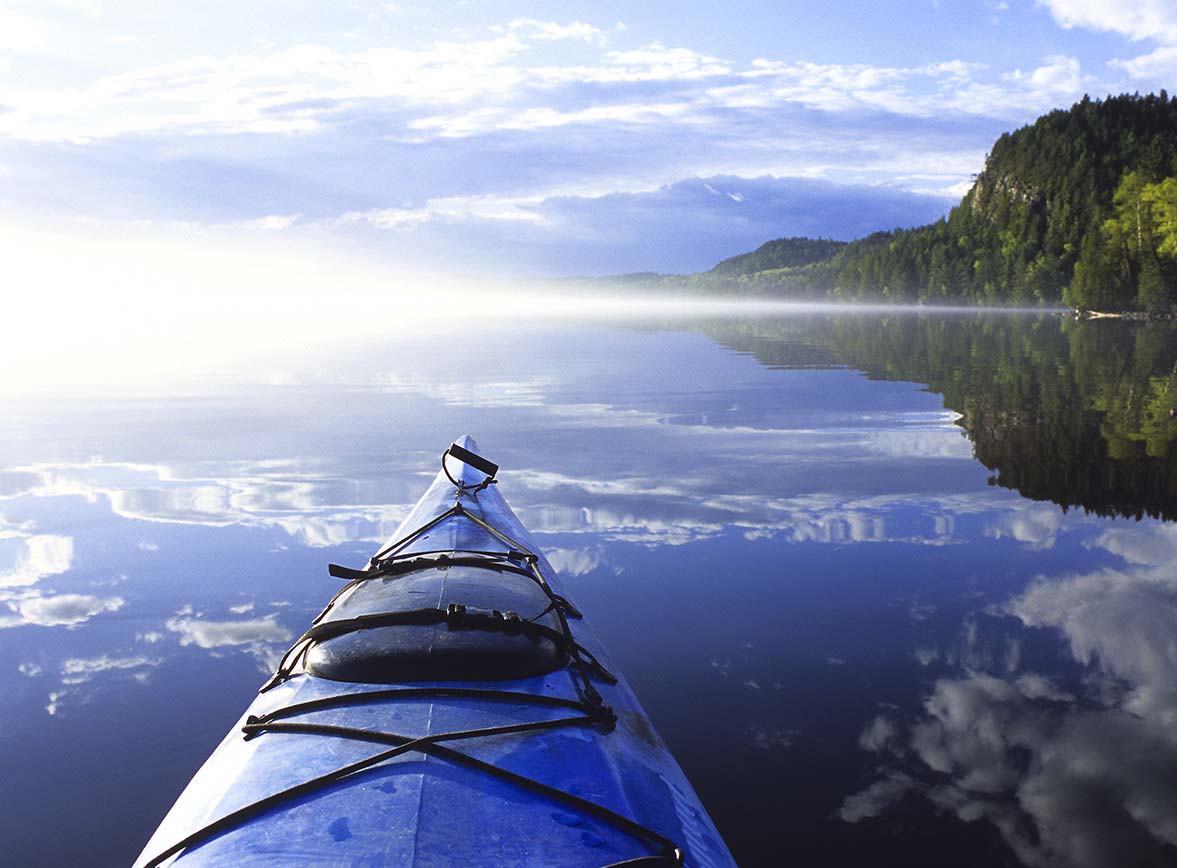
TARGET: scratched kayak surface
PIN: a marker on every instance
(449, 707)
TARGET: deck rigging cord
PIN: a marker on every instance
(669, 854)
(389, 563)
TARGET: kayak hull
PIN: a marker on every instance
(544, 787)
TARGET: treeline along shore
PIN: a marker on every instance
(1078, 209)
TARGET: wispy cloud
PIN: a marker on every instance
(473, 148)
(258, 495)
(1158, 65)
(491, 83)
(526, 145)
(79, 676)
(58, 610)
(287, 90)
(219, 634)
(1136, 19)
(263, 639)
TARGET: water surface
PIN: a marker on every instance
(896, 589)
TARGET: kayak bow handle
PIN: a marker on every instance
(487, 468)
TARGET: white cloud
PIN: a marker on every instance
(509, 209)
(335, 528)
(472, 391)
(1158, 65)
(287, 90)
(1153, 545)
(60, 610)
(491, 120)
(488, 82)
(944, 441)
(80, 676)
(275, 222)
(876, 798)
(257, 495)
(1136, 19)
(1062, 785)
(1066, 780)
(953, 85)
(879, 735)
(263, 639)
(1034, 525)
(79, 670)
(1059, 74)
(551, 31)
(195, 503)
(1035, 686)
(40, 555)
(656, 61)
(218, 634)
(575, 562)
(1122, 622)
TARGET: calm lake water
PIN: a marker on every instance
(897, 590)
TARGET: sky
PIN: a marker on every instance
(175, 142)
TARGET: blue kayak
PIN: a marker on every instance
(449, 707)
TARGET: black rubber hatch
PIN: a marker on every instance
(438, 652)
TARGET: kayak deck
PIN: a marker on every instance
(400, 758)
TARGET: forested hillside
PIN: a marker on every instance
(777, 254)
(1078, 208)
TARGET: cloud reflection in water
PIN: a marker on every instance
(58, 610)
(37, 556)
(1069, 775)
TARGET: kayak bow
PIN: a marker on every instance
(449, 707)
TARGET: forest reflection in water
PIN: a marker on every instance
(1078, 413)
(918, 617)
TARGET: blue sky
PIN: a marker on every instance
(528, 138)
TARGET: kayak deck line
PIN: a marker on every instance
(670, 855)
(317, 664)
(471, 459)
(456, 614)
(384, 561)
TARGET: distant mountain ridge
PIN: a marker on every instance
(1078, 208)
(777, 254)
